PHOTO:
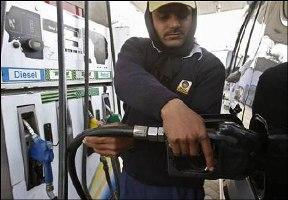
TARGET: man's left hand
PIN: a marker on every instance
(108, 146)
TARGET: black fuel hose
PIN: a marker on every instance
(115, 131)
(138, 132)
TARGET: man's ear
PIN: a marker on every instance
(151, 16)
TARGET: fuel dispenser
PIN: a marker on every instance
(30, 73)
(37, 153)
(26, 173)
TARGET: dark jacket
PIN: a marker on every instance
(271, 103)
(143, 96)
(271, 97)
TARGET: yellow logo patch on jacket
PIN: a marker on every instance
(184, 86)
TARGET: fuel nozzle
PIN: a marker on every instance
(41, 151)
(30, 129)
(235, 152)
(112, 117)
(93, 122)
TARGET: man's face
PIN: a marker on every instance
(172, 23)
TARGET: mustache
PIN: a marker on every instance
(172, 32)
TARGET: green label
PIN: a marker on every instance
(80, 74)
(53, 74)
(51, 96)
(103, 75)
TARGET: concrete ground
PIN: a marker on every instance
(211, 188)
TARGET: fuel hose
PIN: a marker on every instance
(121, 130)
(113, 131)
(234, 148)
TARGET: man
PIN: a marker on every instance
(165, 80)
(271, 98)
(270, 102)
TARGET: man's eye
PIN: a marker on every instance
(163, 17)
(182, 15)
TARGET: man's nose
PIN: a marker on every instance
(174, 21)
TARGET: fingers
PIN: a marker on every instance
(208, 153)
(102, 142)
(193, 148)
(96, 140)
(106, 152)
(108, 145)
(101, 147)
(175, 148)
(184, 148)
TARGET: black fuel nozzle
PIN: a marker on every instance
(235, 153)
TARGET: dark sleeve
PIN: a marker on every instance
(270, 99)
(134, 85)
(258, 106)
(259, 102)
(207, 94)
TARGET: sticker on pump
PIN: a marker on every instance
(104, 75)
(22, 74)
(80, 74)
(53, 74)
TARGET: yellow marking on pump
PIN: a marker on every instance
(99, 184)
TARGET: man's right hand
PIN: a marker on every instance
(185, 130)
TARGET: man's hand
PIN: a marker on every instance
(108, 146)
(185, 130)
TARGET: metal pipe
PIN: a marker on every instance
(111, 33)
(116, 170)
(114, 160)
(86, 93)
(112, 48)
(62, 129)
(246, 56)
(251, 9)
(238, 42)
(251, 32)
(86, 60)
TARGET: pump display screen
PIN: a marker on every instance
(70, 33)
(22, 24)
(71, 43)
